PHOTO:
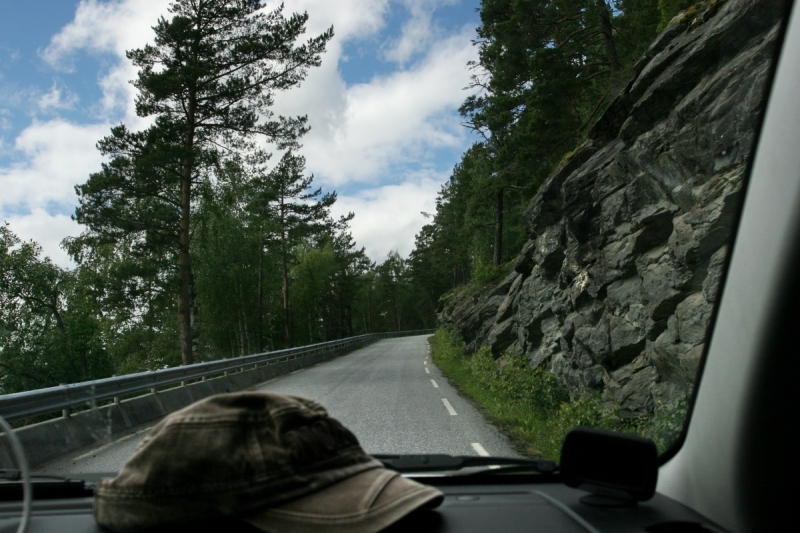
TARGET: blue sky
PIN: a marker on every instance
(385, 130)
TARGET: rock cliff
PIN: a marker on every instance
(615, 288)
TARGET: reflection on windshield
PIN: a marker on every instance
(570, 268)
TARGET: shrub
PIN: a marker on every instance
(666, 423)
(533, 407)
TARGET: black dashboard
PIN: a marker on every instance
(514, 505)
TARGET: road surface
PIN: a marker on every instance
(389, 394)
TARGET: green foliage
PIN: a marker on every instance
(636, 23)
(533, 407)
(512, 377)
(669, 9)
(44, 340)
(483, 272)
(209, 79)
(666, 423)
(546, 71)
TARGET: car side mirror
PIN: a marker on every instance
(617, 469)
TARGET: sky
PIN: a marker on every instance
(385, 131)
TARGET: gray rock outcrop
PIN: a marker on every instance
(615, 288)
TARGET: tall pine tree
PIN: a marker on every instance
(209, 79)
(295, 212)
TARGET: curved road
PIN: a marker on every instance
(389, 394)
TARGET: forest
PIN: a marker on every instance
(199, 244)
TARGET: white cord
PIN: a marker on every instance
(22, 463)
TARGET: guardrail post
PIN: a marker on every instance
(116, 399)
(68, 411)
(153, 390)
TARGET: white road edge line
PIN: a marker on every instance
(427, 371)
(435, 386)
(480, 449)
(483, 453)
(110, 444)
(449, 407)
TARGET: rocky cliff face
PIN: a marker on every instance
(615, 288)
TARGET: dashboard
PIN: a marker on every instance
(510, 506)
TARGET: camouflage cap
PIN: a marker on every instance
(279, 462)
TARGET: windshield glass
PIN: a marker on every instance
(494, 220)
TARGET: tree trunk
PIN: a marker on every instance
(284, 259)
(341, 314)
(243, 319)
(396, 311)
(369, 304)
(271, 337)
(608, 36)
(498, 229)
(349, 321)
(184, 259)
(287, 324)
(241, 331)
(260, 301)
(194, 320)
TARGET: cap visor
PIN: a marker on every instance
(364, 503)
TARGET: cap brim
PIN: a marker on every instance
(364, 503)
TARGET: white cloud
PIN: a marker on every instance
(111, 27)
(104, 27)
(359, 132)
(5, 119)
(351, 19)
(418, 32)
(55, 155)
(51, 157)
(57, 99)
(388, 217)
(47, 230)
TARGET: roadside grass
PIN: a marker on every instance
(532, 407)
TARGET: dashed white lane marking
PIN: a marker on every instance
(435, 386)
(427, 371)
(480, 449)
(449, 407)
(426, 362)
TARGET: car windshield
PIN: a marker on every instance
(462, 226)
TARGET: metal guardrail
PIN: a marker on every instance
(64, 398)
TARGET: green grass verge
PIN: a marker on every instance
(532, 406)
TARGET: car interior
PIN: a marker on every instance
(735, 462)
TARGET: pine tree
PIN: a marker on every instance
(294, 212)
(209, 79)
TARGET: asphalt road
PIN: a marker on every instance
(389, 394)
